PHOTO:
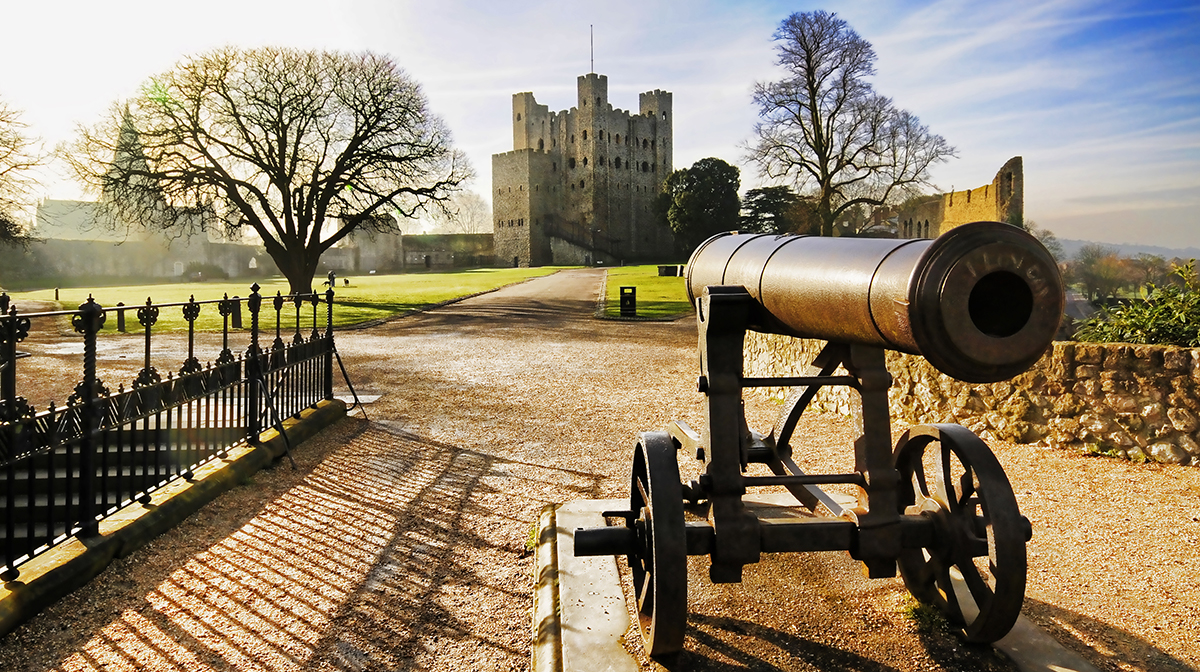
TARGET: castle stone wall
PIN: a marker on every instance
(1140, 402)
(1000, 201)
(586, 176)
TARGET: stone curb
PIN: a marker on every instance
(547, 631)
(64, 568)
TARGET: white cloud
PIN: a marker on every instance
(1101, 98)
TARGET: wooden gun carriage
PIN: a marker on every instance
(981, 303)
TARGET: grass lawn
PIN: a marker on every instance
(656, 296)
(368, 297)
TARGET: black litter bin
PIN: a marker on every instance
(629, 302)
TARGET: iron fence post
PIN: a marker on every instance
(253, 367)
(88, 322)
(13, 330)
(329, 344)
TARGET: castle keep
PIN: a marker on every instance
(579, 185)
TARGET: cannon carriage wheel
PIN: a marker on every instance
(660, 562)
(979, 533)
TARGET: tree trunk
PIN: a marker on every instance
(298, 270)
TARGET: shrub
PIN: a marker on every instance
(1170, 315)
(206, 271)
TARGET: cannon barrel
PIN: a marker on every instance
(981, 302)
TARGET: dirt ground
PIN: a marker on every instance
(400, 542)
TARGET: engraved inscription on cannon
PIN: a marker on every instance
(981, 303)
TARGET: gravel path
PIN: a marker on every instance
(400, 543)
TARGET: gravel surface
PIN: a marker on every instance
(400, 543)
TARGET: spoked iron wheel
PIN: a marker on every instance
(950, 476)
(660, 565)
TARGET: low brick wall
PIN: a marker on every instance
(1140, 402)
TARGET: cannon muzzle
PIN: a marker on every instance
(981, 302)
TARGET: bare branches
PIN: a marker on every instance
(301, 147)
(466, 212)
(17, 157)
(828, 132)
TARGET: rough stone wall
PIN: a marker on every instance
(1000, 201)
(138, 258)
(511, 210)
(589, 176)
(1141, 402)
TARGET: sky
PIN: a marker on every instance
(1102, 99)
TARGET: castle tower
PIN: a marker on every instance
(579, 185)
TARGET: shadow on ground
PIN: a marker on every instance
(1102, 644)
(357, 561)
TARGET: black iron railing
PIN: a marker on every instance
(64, 469)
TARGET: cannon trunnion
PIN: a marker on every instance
(981, 303)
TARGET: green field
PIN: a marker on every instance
(368, 297)
(657, 296)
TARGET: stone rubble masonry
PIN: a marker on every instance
(1140, 402)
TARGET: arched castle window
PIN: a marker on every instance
(617, 162)
(645, 167)
(645, 144)
(572, 137)
(571, 163)
(585, 162)
(554, 166)
(664, 116)
(585, 135)
(541, 144)
(581, 184)
(537, 187)
(518, 116)
(618, 138)
(597, 100)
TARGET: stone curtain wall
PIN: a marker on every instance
(1139, 402)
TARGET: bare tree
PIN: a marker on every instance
(826, 129)
(466, 212)
(1047, 238)
(17, 157)
(302, 147)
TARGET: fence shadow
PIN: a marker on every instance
(361, 560)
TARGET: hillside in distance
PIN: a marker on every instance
(1071, 247)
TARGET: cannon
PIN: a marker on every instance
(981, 303)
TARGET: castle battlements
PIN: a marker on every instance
(579, 184)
